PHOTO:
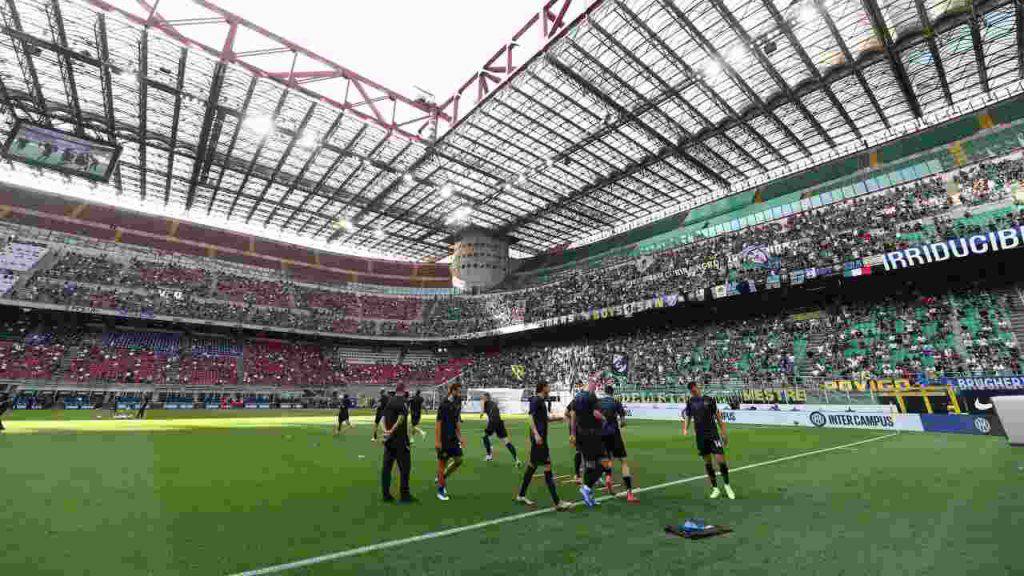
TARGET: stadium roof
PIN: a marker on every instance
(629, 111)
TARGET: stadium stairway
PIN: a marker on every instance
(958, 337)
(173, 372)
(240, 364)
(1016, 313)
(804, 367)
(214, 276)
(70, 353)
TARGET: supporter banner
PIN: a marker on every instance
(620, 364)
(876, 260)
(826, 271)
(856, 268)
(880, 385)
(740, 287)
(759, 257)
(980, 401)
(821, 407)
(518, 371)
(600, 379)
(1005, 239)
(774, 395)
(661, 301)
(752, 257)
(691, 271)
(709, 264)
(674, 399)
(985, 383)
(976, 392)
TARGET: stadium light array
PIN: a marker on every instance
(808, 13)
(261, 124)
(737, 55)
(712, 69)
(461, 213)
(308, 140)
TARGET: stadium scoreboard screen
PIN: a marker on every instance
(56, 150)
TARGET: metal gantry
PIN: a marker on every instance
(596, 114)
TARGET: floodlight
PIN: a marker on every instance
(261, 124)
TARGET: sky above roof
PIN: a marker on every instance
(435, 45)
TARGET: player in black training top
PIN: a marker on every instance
(382, 402)
(540, 454)
(416, 412)
(586, 422)
(343, 415)
(448, 438)
(611, 437)
(394, 421)
(577, 460)
(707, 420)
(5, 404)
(141, 414)
(496, 426)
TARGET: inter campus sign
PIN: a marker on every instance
(874, 421)
(1005, 239)
(789, 417)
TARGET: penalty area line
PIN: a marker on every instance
(277, 568)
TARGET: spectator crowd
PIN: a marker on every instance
(823, 237)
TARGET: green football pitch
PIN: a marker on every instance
(277, 493)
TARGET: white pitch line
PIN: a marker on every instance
(513, 517)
